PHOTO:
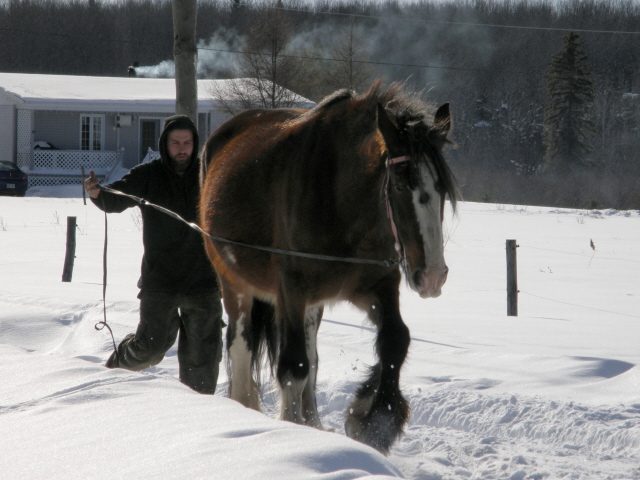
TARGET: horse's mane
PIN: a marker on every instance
(331, 100)
(410, 114)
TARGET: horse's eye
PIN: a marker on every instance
(401, 169)
(424, 198)
(400, 177)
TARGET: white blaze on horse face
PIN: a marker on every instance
(429, 281)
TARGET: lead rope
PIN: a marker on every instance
(330, 258)
(101, 325)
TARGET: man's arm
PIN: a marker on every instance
(132, 183)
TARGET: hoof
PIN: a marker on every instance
(380, 427)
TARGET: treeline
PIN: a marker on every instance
(488, 58)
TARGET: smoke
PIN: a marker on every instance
(426, 47)
(217, 58)
(398, 48)
(165, 69)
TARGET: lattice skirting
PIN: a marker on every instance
(55, 180)
(74, 159)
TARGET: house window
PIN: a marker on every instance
(149, 135)
(91, 132)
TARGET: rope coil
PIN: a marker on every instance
(101, 325)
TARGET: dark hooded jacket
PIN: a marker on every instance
(174, 258)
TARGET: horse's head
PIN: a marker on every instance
(418, 181)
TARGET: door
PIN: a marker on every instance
(149, 135)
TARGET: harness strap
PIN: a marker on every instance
(363, 261)
(394, 229)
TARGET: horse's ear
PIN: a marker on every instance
(441, 125)
(387, 125)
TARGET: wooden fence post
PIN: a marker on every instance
(69, 257)
(512, 279)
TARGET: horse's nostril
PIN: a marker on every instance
(417, 278)
(445, 271)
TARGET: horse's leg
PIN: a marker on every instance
(293, 364)
(312, 320)
(379, 412)
(243, 387)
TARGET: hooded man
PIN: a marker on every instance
(178, 288)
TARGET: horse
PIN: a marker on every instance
(305, 208)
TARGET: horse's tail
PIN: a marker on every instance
(264, 337)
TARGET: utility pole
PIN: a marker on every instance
(185, 57)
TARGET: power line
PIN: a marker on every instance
(365, 16)
(301, 57)
(463, 24)
(386, 64)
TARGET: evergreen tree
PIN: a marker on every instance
(568, 126)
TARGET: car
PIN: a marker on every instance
(13, 181)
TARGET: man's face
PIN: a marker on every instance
(180, 148)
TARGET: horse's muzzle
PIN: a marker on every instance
(428, 282)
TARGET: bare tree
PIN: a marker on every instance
(185, 55)
(267, 76)
(351, 69)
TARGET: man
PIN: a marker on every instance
(178, 288)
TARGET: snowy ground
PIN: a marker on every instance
(553, 393)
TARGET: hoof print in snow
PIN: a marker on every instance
(519, 460)
(490, 441)
(485, 450)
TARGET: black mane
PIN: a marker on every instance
(410, 114)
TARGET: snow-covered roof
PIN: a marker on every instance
(111, 94)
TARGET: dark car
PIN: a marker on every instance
(13, 181)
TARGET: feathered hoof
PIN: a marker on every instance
(312, 420)
(380, 426)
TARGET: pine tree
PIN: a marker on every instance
(568, 126)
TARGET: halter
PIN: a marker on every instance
(394, 229)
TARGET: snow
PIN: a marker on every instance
(552, 393)
(109, 94)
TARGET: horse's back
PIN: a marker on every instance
(243, 123)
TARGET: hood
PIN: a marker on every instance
(177, 122)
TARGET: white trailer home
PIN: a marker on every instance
(52, 125)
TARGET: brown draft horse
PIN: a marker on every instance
(361, 178)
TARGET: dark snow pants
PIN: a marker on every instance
(198, 319)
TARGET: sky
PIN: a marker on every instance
(552, 393)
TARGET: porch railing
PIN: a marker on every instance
(62, 167)
(74, 159)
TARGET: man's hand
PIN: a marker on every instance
(90, 185)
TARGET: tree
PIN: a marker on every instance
(185, 55)
(267, 77)
(350, 52)
(568, 126)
